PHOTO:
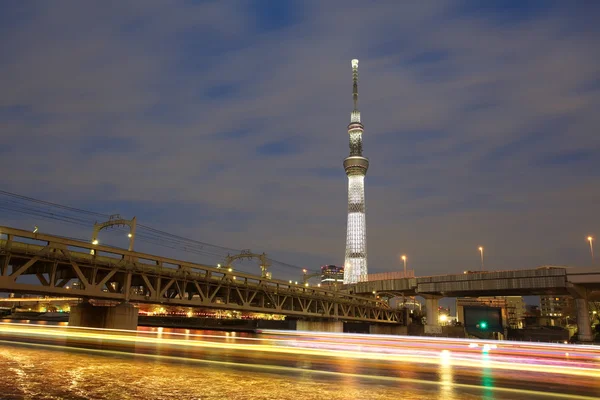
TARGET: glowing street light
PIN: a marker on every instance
(129, 235)
(35, 229)
(481, 252)
(591, 240)
(95, 241)
(404, 259)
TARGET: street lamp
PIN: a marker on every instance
(481, 252)
(404, 259)
(591, 240)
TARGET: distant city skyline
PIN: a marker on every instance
(225, 123)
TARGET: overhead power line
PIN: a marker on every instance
(19, 205)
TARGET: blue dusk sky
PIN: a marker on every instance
(225, 122)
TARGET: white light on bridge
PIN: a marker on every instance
(95, 241)
(129, 235)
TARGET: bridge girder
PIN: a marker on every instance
(122, 275)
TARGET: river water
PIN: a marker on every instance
(53, 362)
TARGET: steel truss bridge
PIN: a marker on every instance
(46, 264)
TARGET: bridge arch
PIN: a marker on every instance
(248, 254)
(115, 220)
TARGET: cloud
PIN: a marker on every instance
(225, 121)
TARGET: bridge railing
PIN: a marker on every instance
(390, 275)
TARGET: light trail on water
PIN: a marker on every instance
(455, 364)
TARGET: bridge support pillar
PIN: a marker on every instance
(121, 316)
(433, 323)
(320, 326)
(431, 304)
(388, 329)
(584, 327)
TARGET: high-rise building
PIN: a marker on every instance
(355, 264)
(557, 306)
(332, 274)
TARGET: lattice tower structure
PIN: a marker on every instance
(355, 264)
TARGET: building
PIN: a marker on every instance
(556, 306)
(513, 308)
(409, 302)
(355, 165)
(516, 310)
(331, 274)
(491, 302)
(558, 310)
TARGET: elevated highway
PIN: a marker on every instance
(581, 283)
(47, 264)
(525, 282)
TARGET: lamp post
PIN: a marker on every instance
(481, 252)
(404, 259)
(591, 240)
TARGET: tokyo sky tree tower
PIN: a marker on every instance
(355, 265)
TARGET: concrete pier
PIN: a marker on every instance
(121, 316)
(584, 327)
(388, 329)
(320, 326)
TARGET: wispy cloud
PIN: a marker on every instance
(230, 118)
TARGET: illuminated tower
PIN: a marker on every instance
(355, 265)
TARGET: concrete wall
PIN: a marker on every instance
(122, 316)
(388, 329)
(320, 326)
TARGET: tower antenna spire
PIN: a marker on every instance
(355, 83)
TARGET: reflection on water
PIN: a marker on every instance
(157, 363)
(31, 372)
(446, 375)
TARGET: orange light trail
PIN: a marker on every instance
(566, 360)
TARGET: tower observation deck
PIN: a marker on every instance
(355, 264)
